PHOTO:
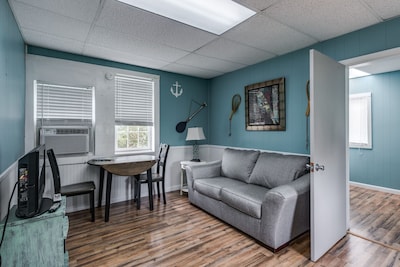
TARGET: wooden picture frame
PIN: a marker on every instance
(265, 106)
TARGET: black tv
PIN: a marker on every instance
(31, 184)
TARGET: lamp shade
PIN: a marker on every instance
(195, 133)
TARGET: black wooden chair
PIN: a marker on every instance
(82, 188)
(157, 177)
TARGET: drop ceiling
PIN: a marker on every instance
(111, 30)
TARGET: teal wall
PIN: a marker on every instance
(172, 109)
(295, 68)
(12, 89)
(380, 165)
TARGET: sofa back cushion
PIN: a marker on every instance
(238, 164)
(273, 169)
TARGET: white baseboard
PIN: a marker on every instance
(374, 187)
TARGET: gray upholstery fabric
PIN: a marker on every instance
(272, 216)
(212, 186)
(245, 197)
(238, 164)
(273, 169)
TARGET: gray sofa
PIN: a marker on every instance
(266, 195)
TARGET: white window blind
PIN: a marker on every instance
(360, 133)
(134, 101)
(63, 105)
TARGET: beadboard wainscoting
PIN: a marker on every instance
(76, 169)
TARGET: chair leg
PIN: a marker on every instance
(138, 194)
(92, 210)
(134, 189)
(158, 190)
(163, 192)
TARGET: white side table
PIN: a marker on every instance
(184, 164)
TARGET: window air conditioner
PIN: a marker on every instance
(66, 140)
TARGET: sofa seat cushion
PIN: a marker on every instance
(238, 164)
(211, 187)
(273, 169)
(246, 198)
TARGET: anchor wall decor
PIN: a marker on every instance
(176, 92)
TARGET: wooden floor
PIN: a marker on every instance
(179, 234)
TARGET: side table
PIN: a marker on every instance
(184, 164)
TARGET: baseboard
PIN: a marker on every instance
(374, 187)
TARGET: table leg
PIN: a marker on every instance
(108, 196)
(101, 187)
(150, 184)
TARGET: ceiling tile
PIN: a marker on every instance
(256, 5)
(56, 43)
(127, 43)
(204, 62)
(225, 49)
(192, 71)
(144, 25)
(266, 34)
(385, 9)
(322, 19)
(78, 9)
(40, 20)
(123, 57)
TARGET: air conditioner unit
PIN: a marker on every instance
(66, 140)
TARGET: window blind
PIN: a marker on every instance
(134, 101)
(360, 120)
(63, 105)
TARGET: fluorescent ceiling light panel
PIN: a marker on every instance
(215, 16)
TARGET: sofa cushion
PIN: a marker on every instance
(247, 198)
(273, 169)
(238, 164)
(211, 187)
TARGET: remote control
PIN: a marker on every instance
(54, 207)
(57, 197)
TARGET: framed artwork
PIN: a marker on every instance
(265, 106)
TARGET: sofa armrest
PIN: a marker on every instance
(286, 211)
(206, 170)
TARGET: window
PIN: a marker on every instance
(134, 113)
(64, 117)
(360, 124)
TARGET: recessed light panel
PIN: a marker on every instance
(215, 16)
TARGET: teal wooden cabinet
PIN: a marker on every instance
(37, 241)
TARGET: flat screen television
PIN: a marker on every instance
(31, 184)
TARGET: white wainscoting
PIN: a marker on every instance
(7, 181)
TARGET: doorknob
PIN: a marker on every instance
(315, 167)
(319, 167)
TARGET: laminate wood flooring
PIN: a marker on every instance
(180, 234)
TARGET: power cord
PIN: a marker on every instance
(8, 213)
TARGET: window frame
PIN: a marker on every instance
(63, 122)
(367, 109)
(156, 108)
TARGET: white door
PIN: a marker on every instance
(328, 144)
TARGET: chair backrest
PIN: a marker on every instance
(162, 159)
(54, 170)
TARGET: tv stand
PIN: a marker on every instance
(36, 241)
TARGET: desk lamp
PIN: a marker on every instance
(195, 134)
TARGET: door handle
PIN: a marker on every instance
(315, 167)
(319, 167)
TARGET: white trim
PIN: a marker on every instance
(375, 187)
(7, 172)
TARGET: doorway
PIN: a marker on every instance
(373, 166)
